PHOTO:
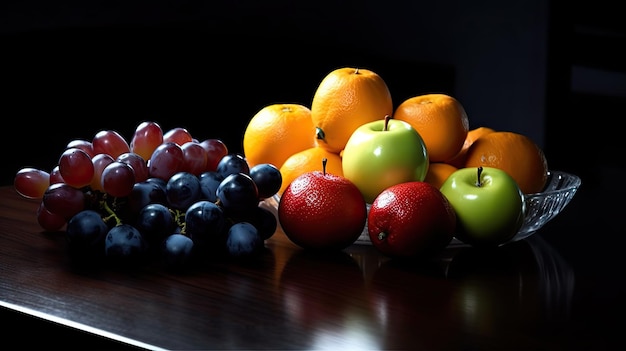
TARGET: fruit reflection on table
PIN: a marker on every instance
(485, 292)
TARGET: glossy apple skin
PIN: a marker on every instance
(322, 211)
(375, 159)
(487, 215)
(411, 220)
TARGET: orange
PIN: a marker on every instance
(346, 99)
(438, 172)
(306, 161)
(458, 161)
(441, 121)
(514, 153)
(276, 132)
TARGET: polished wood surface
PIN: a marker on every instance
(542, 293)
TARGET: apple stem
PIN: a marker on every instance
(324, 162)
(480, 172)
(387, 119)
(382, 236)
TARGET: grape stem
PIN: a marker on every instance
(111, 213)
(179, 218)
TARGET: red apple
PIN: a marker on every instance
(322, 211)
(411, 220)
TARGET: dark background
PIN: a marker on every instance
(553, 70)
(548, 69)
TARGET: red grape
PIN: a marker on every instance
(64, 200)
(177, 135)
(166, 160)
(31, 182)
(100, 161)
(118, 179)
(55, 176)
(148, 136)
(76, 167)
(109, 142)
(215, 150)
(49, 221)
(82, 144)
(195, 158)
(138, 163)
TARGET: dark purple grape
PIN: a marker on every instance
(262, 218)
(232, 164)
(155, 222)
(145, 193)
(161, 182)
(176, 251)
(209, 181)
(268, 179)
(238, 193)
(124, 245)
(182, 190)
(265, 222)
(243, 240)
(85, 233)
(205, 223)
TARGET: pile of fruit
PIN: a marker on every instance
(415, 177)
(424, 175)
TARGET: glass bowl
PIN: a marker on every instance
(540, 207)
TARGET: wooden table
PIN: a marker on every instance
(536, 294)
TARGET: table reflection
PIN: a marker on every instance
(471, 293)
(528, 275)
(320, 294)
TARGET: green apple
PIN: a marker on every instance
(383, 153)
(489, 205)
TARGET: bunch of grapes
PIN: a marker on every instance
(163, 195)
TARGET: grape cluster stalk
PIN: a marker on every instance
(163, 196)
